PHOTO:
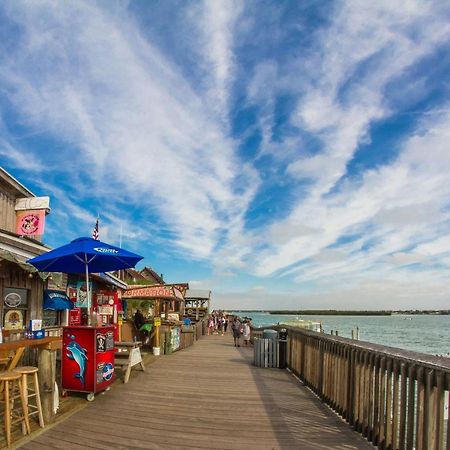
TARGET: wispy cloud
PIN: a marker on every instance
(121, 123)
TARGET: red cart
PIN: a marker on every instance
(87, 359)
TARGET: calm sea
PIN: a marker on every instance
(424, 333)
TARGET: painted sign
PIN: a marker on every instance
(82, 294)
(157, 321)
(135, 356)
(30, 223)
(175, 338)
(13, 319)
(160, 291)
(75, 316)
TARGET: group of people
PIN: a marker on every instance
(218, 324)
(240, 329)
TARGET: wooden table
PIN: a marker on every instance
(47, 366)
(129, 357)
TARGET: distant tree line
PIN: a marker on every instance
(331, 312)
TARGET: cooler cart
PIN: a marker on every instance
(87, 359)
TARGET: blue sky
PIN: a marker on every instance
(283, 154)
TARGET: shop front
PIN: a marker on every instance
(168, 309)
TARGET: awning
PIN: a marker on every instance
(56, 300)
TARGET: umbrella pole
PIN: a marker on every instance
(88, 292)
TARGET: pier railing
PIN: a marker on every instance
(395, 398)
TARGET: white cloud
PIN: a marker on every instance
(99, 86)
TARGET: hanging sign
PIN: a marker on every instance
(30, 223)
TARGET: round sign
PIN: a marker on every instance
(108, 371)
(12, 300)
(111, 301)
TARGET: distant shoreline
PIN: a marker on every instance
(332, 312)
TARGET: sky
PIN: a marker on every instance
(282, 154)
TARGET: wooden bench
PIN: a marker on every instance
(129, 357)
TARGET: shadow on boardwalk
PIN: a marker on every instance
(208, 396)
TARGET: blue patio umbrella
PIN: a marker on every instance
(85, 255)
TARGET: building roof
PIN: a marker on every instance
(148, 271)
(13, 186)
(198, 294)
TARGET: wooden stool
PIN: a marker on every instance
(12, 415)
(31, 391)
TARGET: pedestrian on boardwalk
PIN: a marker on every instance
(236, 327)
(219, 326)
(246, 334)
(225, 325)
(210, 325)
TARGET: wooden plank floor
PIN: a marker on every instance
(208, 396)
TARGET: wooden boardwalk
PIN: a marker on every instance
(208, 396)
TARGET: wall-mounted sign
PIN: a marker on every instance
(75, 316)
(82, 294)
(13, 319)
(26, 204)
(30, 223)
(12, 300)
(15, 297)
(165, 291)
(157, 321)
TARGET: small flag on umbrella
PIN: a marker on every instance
(95, 231)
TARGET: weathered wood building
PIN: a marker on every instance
(21, 287)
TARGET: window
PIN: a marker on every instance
(15, 306)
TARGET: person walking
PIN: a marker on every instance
(210, 325)
(246, 333)
(236, 327)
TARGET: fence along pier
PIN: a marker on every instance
(397, 399)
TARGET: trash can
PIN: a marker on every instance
(282, 348)
(265, 350)
(270, 334)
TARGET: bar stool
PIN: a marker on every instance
(13, 415)
(31, 391)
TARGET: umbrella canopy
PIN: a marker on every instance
(85, 253)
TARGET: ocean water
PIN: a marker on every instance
(421, 333)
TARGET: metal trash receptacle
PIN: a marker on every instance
(270, 334)
(265, 350)
(282, 348)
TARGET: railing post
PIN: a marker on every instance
(411, 407)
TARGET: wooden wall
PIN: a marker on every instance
(11, 275)
(7, 213)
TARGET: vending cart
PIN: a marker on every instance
(87, 359)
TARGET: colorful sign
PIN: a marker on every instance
(175, 338)
(157, 321)
(30, 223)
(82, 294)
(13, 319)
(159, 291)
(75, 316)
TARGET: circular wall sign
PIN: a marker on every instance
(12, 300)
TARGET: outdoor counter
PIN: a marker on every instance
(47, 347)
(49, 342)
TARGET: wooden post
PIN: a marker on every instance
(47, 375)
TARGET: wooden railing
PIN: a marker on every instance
(395, 398)
(187, 337)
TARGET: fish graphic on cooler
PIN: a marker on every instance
(78, 354)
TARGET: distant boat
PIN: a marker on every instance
(305, 324)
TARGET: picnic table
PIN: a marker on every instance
(128, 356)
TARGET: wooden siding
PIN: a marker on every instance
(7, 212)
(208, 396)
